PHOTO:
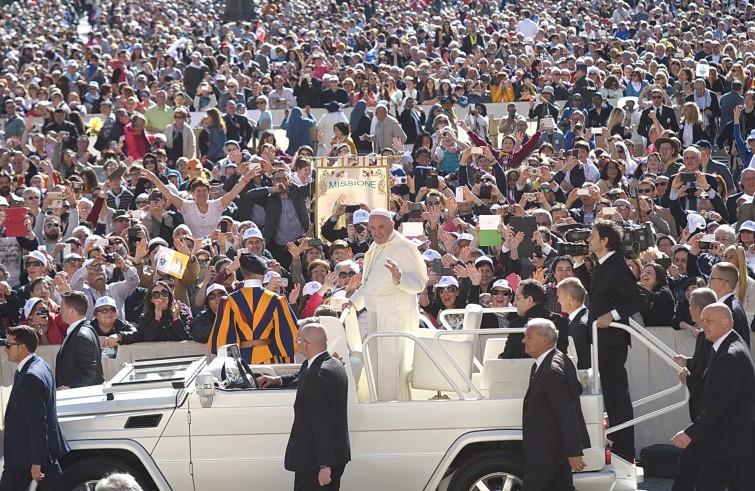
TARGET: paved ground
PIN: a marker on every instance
(656, 484)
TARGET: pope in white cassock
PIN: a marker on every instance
(393, 274)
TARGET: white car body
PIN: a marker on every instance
(174, 437)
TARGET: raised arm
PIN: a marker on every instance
(167, 193)
(253, 172)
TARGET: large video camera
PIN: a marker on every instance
(575, 244)
(637, 238)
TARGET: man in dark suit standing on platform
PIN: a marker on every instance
(33, 442)
(614, 297)
(553, 427)
(692, 456)
(79, 361)
(318, 448)
(726, 424)
(571, 297)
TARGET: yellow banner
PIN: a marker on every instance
(350, 186)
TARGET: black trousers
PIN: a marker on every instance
(735, 474)
(615, 384)
(307, 481)
(20, 480)
(688, 468)
(557, 478)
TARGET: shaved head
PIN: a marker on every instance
(315, 336)
(716, 321)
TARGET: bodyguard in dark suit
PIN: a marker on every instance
(571, 297)
(726, 424)
(553, 427)
(33, 442)
(79, 361)
(530, 304)
(723, 279)
(318, 448)
(614, 297)
(691, 375)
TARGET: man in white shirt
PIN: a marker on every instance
(527, 26)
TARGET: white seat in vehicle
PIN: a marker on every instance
(493, 348)
(426, 376)
(506, 379)
(337, 345)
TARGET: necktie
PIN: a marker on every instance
(303, 370)
(533, 370)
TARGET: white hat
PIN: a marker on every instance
(29, 305)
(105, 301)
(483, 259)
(446, 281)
(419, 243)
(501, 284)
(311, 288)
(252, 232)
(752, 135)
(465, 236)
(269, 276)
(748, 225)
(3, 201)
(694, 222)
(215, 287)
(196, 54)
(678, 247)
(381, 212)
(431, 255)
(360, 216)
(38, 255)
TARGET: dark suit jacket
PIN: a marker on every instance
(726, 424)
(32, 434)
(514, 343)
(613, 287)
(273, 207)
(409, 120)
(467, 44)
(740, 317)
(731, 206)
(667, 118)
(79, 361)
(320, 433)
(578, 330)
(553, 427)
(697, 366)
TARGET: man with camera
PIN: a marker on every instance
(91, 278)
(690, 187)
(547, 107)
(614, 297)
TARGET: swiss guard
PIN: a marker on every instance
(259, 321)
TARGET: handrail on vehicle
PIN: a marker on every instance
(656, 346)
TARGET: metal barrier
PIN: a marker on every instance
(654, 345)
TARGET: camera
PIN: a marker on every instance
(636, 239)
(314, 243)
(688, 178)
(43, 313)
(534, 171)
(705, 246)
(109, 258)
(400, 180)
(360, 228)
(577, 234)
(572, 249)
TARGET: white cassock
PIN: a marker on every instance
(391, 308)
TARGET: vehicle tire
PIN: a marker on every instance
(82, 473)
(494, 470)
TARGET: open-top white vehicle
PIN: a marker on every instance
(182, 424)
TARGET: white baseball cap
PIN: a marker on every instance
(748, 225)
(269, 276)
(38, 255)
(252, 232)
(311, 288)
(360, 216)
(446, 281)
(105, 301)
(501, 284)
(29, 305)
(431, 255)
(694, 222)
(216, 287)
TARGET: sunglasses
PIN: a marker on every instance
(499, 293)
(345, 275)
(486, 179)
(645, 191)
(106, 310)
(8, 345)
(448, 289)
(156, 294)
(213, 296)
(33, 264)
(661, 184)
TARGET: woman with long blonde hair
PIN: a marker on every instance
(691, 128)
(745, 289)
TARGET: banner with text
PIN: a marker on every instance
(349, 186)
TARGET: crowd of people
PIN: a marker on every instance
(640, 131)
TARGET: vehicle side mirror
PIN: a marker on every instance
(205, 384)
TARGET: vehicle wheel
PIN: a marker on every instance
(83, 475)
(494, 470)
